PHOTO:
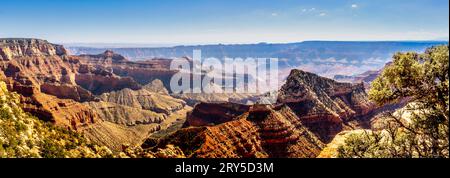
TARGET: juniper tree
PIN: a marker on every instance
(422, 79)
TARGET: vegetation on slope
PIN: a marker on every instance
(421, 128)
(24, 136)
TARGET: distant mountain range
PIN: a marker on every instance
(326, 58)
(308, 50)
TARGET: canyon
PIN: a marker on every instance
(310, 111)
(122, 104)
(81, 93)
(324, 105)
(259, 132)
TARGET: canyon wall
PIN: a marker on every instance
(263, 132)
(324, 105)
(83, 93)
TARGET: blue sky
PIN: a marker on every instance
(223, 21)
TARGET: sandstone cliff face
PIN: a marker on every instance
(99, 84)
(44, 68)
(96, 73)
(62, 112)
(260, 132)
(126, 115)
(36, 61)
(156, 86)
(144, 99)
(76, 93)
(324, 105)
(208, 114)
(143, 72)
(16, 47)
(195, 98)
(33, 67)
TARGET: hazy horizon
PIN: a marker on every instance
(168, 45)
(156, 44)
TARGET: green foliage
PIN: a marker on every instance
(421, 128)
(24, 136)
(362, 146)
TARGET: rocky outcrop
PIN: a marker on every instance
(99, 84)
(367, 77)
(195, 98)
(137, 152)
(62, 112)
(208, 114)
(11, 48)
(40, 69)
(107, 56)
(114, 136)
(74, 92)
(156, 86)
(146, 75)
(143, 72)
(144, 99)
(260, 132)
(66, 113)
(125, 115)
(322, 104)
(34, 67)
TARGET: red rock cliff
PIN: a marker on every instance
(263, 132)
(324, 105)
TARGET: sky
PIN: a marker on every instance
(223, 21)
